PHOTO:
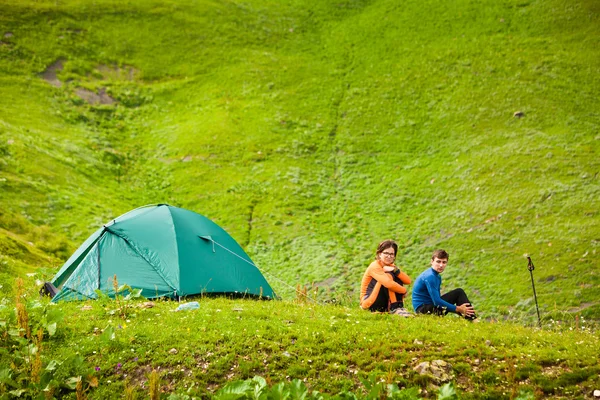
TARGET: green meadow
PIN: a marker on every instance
(310, 131)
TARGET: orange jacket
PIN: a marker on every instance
(375, 271)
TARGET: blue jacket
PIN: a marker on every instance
(427, 291)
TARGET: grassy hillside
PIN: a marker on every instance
(302, 350)
(311, 131)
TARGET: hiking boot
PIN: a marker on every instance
(402, 312)
(472, 318)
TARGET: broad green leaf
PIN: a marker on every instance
(52, 365)
(101, 295)
(123, 287)
(175, 396)
(51, 328)
(32, 349)
(54, 315)
(108, 334)
(298, 390)
(6, 378)
(260, 385)
(238, 387)
(135, 294)
(447, 392)
(35, 304)
(72, 382)
(406, 394)
(14, 332)
(279, 392)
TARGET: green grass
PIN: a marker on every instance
(311, 131)
(333, 349)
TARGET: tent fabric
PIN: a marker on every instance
(163, 250)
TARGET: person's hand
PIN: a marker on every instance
(466, 310)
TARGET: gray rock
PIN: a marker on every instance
(440, 371)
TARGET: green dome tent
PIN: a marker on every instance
(163, 250)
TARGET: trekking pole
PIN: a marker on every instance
(530, 267)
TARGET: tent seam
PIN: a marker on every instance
(98, 257)
(129, 243)
(176, 246)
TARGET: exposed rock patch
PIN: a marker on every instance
(439, 370)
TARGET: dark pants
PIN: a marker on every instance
(382, 303)
(456, 297)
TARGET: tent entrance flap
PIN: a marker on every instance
(77, 258)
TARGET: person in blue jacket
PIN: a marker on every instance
(426, 298)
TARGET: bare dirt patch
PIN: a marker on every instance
(115, 73)
(327, 282)
(49, 75)
(139, 376)
(583, 306)
(95, 98)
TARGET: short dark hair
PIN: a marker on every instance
(440, 254)
(386, 244)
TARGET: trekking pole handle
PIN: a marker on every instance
(530, 266)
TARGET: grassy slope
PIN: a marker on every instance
(312, 131)
(331, 348)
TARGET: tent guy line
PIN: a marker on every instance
(259, 269)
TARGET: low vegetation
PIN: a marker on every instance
(301, 349)
(312, 130)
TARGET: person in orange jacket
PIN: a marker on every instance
(382, 287)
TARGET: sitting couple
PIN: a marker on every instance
(382, 287)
